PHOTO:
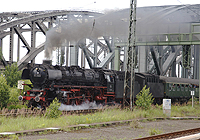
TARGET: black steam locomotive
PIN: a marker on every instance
(74, 85)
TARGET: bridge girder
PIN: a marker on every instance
(41, 21)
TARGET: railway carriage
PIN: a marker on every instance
(179, 89)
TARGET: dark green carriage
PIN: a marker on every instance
(180, 88)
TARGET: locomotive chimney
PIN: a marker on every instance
(47, 62)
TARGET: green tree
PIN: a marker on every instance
(4, 92)
(144, 99)
(12, 75)
(14, 94)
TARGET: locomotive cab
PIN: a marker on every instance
(110, 82)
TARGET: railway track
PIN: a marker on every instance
(172, 135)
(40, 112)
(178, 135)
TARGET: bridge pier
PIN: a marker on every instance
(142, 59)
(196, 62)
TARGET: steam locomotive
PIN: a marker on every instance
(74, 85)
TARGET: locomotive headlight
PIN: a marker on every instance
(37, 98)
(40, 94)
(20, 98)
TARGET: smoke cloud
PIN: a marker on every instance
(150, 21)
(75, 30)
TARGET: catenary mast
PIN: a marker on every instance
(130, 62)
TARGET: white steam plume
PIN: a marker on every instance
(83, 106)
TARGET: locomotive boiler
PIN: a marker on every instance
(71, 85)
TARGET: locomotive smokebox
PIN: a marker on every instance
(47, 62)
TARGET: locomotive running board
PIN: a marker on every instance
(69, 86)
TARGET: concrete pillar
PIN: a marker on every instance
(83, 57)
(196, 62)
(67, 53)
(117, 58)
(73, 55)
(18, 49)
(142, 62)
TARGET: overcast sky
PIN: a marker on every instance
(95, 5)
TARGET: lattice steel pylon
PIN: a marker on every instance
(130, 62)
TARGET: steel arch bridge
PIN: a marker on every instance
(13, 23)
(112, 48)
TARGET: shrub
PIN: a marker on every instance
(13, 99)
(12, 75)
(52, 111)
(144, 99)
(14, 102)
(4, 92)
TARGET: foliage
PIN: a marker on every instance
(28, 82)
(12, 75)
(13, 96)
(154, 131)
(144, 99)
(52, 111)
(14, 102)
(4, 92)
(17, 106)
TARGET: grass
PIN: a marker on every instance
(154, 131)
(111, 114)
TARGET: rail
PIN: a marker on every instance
(172, 135)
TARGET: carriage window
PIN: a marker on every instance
(186, 87)
(182, 87)
(174, 87)
(170, 87)
(178, 87)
